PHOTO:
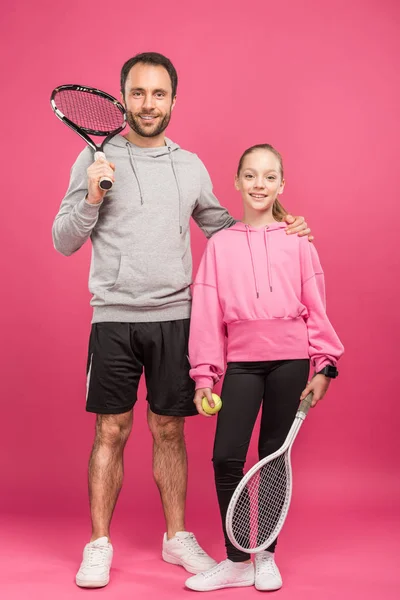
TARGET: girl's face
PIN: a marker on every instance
(260, 181)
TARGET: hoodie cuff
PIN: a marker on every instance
(204, 382)
(88, 210)
(322, 363)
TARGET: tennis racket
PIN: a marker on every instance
(260, 503)
(89, 111)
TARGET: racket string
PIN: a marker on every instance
(260, 505)
(89, 111)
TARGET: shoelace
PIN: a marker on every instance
(97, 556)
(267, 564)
(219, 567)
(192, 545)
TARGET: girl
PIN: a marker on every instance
(258, 299)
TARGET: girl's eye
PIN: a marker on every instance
(272, 178)
(248, 176)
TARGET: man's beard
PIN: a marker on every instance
(135, 124)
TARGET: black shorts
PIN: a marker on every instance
(118, 353)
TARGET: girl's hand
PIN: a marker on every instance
(319, 386)
(198, 397)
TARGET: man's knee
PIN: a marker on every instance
(166, 429)
(113, 430)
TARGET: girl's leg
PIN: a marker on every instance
(284, 383)
(242, 394)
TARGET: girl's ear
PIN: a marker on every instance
(236, 182)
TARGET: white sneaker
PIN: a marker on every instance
(95, 568)
(225, 574)
(268, 577)
(183, 549)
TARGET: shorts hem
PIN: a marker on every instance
(173, 413)
(109, 411)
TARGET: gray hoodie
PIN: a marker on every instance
(141, 266)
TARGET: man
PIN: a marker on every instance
(140, 279)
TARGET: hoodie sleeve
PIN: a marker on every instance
(207, 327)
(209, 215)
(325, 348)
(76, 218)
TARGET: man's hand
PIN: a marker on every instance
(198, 397)
(299, 226)
(99, 169)
(319, 386)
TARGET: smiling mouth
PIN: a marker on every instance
(258, 196)
(148, 117)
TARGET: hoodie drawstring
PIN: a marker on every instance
(136, 173)
(252, 260)
(268, 259)
(135, 170)
(178, 186)
(267, 252)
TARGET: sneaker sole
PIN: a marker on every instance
(260, 588)
(172, 560)
(92, 584)
(219, 587)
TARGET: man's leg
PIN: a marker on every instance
(106, 469)
(170, 393)
(170, 468)
(114, 370)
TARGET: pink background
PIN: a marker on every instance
(318, 80)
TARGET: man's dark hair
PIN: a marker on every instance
(150, 58)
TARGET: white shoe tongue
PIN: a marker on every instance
(103, 541)
(182, 534)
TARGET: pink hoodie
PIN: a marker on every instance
(264, 290)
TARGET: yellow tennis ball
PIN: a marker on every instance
(207, 408)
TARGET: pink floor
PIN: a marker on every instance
(318, 560)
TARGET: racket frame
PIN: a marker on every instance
(105, 182)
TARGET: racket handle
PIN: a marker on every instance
(105, 183)
(306, 403)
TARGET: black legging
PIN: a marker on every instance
(278, 386)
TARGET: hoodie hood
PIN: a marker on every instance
(239, 226)
(120, 141)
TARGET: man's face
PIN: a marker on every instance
(148, 99)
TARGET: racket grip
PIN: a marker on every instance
(105, 183)
(306, 403)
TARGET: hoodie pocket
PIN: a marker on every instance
(143, 280)
(121, 275)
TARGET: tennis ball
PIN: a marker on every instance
(207, 408)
